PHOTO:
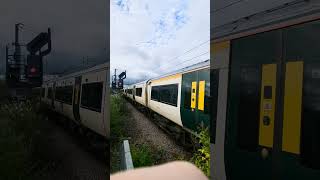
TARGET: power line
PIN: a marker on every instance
(190, 59)
(260, 13)
(199, 45)
(224, 7)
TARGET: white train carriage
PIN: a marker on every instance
(181, 97)
(167, 107)
(140, 95)
(129, 92)
(82, 97)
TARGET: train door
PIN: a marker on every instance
(134, 92)
(76, 98)
(300, 142)
(249, 128)
(272, 131)
(53, 95)
(195, 92)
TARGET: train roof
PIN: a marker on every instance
(200, 65)
(73, 74)
(262, 17)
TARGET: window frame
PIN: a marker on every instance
(140, 92)
(167, 87)
(87, 106)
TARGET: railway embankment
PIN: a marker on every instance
(148, 143)
(22, 138)
(34, 147)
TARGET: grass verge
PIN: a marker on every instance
(117, 116)
(21, 141)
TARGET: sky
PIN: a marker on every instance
(151, 38)
(79, 29)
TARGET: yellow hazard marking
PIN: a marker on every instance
(267, 105)
(202, 85)
(193, 94)
(292, 107)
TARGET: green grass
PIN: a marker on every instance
(118, 115)
(142, 155)
(21, 141)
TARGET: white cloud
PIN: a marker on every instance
(146, 36)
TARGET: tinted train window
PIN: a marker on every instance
(129, 91)
(49, 95)
(213, 100)
(43, 92)
(310, 134)
(249, 107)
(91, 97)
(207, 98)
(155, 93)
(139, 92)
(169, 94)
(187, 96)
(64, 94)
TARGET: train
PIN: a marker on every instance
(265, 73)
(82, 97)
(181, 97)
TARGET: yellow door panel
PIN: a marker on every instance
(193, 94)
(292, 107)
(267, 105)
(202, 85)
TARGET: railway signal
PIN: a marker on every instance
(23, 75)
(121, 76)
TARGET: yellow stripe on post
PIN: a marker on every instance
(202, 85)
(267, 105)
(193, 94)
(292, 107)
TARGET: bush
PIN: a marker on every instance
(142, 155)
(201, 157)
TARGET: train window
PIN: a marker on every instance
(129, 91)
(249, 107)
(91, 96)
(310, 124)
(49, 95)
(139, 92)
(58, 94)
(155, 93)
(169, 94)
(64, 94)
(187, 96)
(212, 102)
(207, 97)
(43, 92)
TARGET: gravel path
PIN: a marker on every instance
(73, 162)
(142, 130)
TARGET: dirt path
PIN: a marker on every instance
(142, 130)
(72, 161)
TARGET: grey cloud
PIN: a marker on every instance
(79, 28)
